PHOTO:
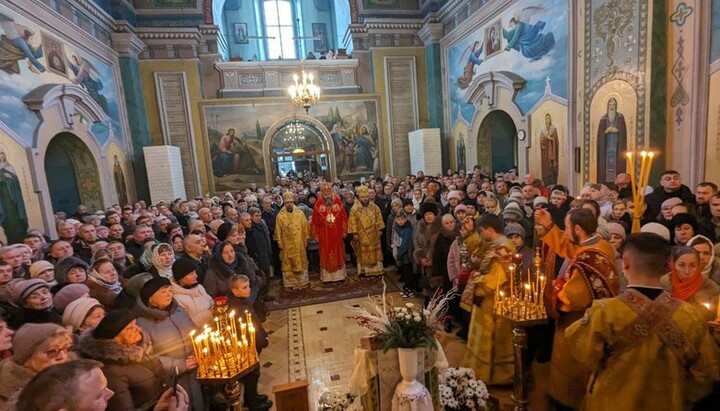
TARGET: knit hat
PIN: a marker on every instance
(77, 311)
(459, 208)
(429, 207)
(658, 229)
(21, 290)
(513, 213)
(539, 200)
(671, 202)
(29, 337)
(514, 228)
(113, 322)
(223, 231)
(518, 196)
(407, 201)
(181, 268)
(454, 194)
(63, 266)
(68, 294)
(39, 267)
(603, 231)
(617, 229)
(683, 218)
(151, 287)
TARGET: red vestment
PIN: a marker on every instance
(329, 224)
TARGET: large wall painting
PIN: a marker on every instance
(528, 39)
(31, 57)
(234, 134)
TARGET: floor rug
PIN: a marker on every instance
(318, 293)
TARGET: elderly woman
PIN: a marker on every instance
(35, 302)
(70, 270)
(35, 347)
(168, 327)
(104, 282)
(135, 375)
(83, 314)
(163, 257)
(686, 282)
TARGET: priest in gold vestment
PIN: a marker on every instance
(292, 233)
(365, 224)
(587, 274)
(646, 349)
(490, 349)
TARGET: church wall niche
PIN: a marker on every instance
(486, 43)
(548, 155)
(354, 124)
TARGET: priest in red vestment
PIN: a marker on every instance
(329, 225)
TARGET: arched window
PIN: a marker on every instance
(280, 29)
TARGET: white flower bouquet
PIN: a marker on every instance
(335, 401)
(460, 391)
(409, 326)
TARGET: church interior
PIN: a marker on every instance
(149, 103)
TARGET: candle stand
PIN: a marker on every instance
(226, 353)
(524, 308)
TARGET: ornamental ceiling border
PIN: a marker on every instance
(613, 72)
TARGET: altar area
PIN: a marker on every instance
(317, 343)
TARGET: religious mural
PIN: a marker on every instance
(549, 151)
(715, 40)
(528, 39)
(235, 134)
(30, 58)
(13, 218)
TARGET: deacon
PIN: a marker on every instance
(588, 274)
(292, 234)
(646, 350)
(329, 225)
(366, 224)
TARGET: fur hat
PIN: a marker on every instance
(151, 287)
(77, 311)
(514, 228)
(223, 231)
(113, 322)
(21, 290)
(68, 294)
(181, 268)
(658, 229)
(429, 207)
(39, 267)
(683, 218)
(29, 337)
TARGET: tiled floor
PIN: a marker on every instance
(316, 343)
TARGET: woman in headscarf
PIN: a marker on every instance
(709, 263)
(602, 194)
(103, 282)
(686, 282)
(178, 246)
(163, 258)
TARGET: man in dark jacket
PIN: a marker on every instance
(670, 186)
(258, 242)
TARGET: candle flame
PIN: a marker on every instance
(706, 305)
(629, 154)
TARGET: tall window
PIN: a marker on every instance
(280, 29)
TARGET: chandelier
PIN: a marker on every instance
(305, 93)
(295, 137)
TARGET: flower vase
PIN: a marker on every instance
(410, 394)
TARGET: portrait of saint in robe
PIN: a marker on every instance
(611, 143)
(549, 154)
(13, 217)
(460, 152)
(120, 185)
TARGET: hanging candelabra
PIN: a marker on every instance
(304, 93)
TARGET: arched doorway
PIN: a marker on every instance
(497, 145)
(298, 146)
(72, 175)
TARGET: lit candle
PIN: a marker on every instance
(528, 291)
(192, 341)
(512, 280)
(718, 309)
(502, 299)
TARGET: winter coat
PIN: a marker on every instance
(196, 301)
(28, 315)
(135, 375)
(13, 378)
(259, 246)
(169, 332)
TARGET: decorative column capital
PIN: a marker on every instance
(128, 44)
(431, 33)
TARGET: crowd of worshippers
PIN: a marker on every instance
(632, 316)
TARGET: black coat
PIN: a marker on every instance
(655, 199)
(259, 246)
